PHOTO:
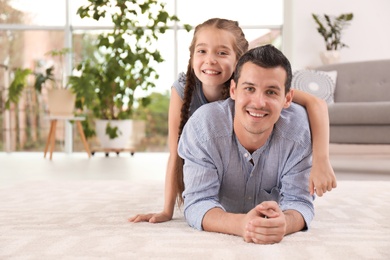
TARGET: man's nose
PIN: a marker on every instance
(260, 100)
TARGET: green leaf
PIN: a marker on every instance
(17, 85)
(112, 132)
(331, 27)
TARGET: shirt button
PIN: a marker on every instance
(246, 155)
(249, 198)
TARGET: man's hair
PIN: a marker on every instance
(266, 56)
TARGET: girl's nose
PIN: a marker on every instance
(211, 59)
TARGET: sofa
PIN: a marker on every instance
(360, 111)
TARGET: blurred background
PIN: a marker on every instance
(31, 29)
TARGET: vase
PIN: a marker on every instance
(61, 102)
(125, 128)
(330, 57)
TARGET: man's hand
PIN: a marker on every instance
(266, 224)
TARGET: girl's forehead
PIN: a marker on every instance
(214, 36)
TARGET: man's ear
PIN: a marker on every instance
(289, 98)
(233, 89)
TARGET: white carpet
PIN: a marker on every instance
(88, 220)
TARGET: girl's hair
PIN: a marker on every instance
(240, 46)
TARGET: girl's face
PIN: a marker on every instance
(214, 58)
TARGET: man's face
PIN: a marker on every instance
(259, 99)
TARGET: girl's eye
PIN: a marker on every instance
(222, 53)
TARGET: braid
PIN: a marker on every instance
(184, 115)
(188, 90)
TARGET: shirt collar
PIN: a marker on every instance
(256, 154)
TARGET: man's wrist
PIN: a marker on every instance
(294, 221)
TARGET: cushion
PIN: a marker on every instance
(359, 113)
(318, 83)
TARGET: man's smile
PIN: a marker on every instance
(257, 114)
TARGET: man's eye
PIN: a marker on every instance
(250, 89)
(271, 92)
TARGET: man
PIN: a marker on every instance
(247, 159)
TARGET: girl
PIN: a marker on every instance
(215, 48)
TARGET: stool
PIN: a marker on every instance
(52, 133)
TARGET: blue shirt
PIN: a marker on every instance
(220, 172)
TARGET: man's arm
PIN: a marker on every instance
(297, 165)
(218, 220)
(200, 171)
(265, 224)
(294, 221)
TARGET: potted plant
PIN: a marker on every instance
(122, 65)
(330, 28)
(60, 99)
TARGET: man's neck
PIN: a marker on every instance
(252, 142)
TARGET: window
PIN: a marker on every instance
(28, 31)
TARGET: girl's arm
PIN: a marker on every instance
(322, 177)
(175, 105)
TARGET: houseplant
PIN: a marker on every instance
(123, 62)
(331, 28)
(60, 99)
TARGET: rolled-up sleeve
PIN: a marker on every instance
(295, 193)
(295, 154)
(200, 171)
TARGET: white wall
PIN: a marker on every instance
(368, 35)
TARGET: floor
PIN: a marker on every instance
(350, 162)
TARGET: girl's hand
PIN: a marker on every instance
(322, 177)
(151, 218)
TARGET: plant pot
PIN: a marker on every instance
(61, 102)
(125, 128)
(330, 57)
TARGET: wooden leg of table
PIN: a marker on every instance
(53, 138)
(48, 139)
(83, 139)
